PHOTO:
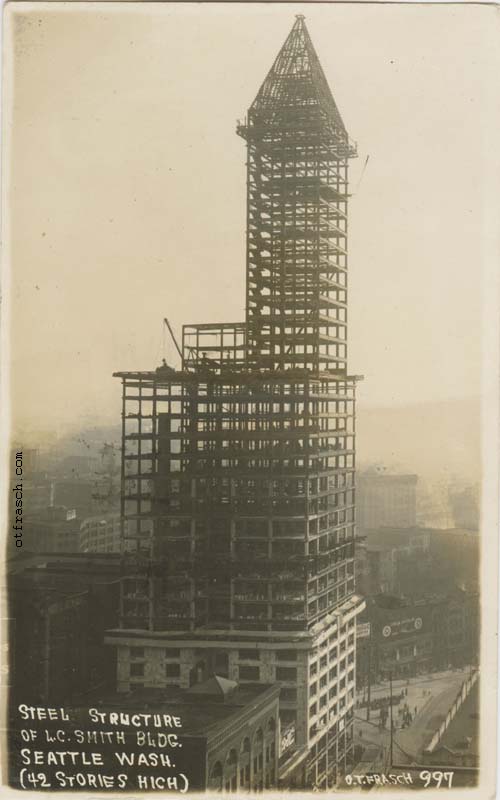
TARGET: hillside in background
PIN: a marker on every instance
(438, 441)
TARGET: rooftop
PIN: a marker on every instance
(199, 715)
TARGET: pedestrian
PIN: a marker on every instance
(416, 709)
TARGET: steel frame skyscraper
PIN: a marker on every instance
(238, 468)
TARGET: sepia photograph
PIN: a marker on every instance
(250, 389)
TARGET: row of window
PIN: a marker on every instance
(248, 673)
(168, 652)
(332, 693)
(137, 670)
(254, 655)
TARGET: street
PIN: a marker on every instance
(428, 697)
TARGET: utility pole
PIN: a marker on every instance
(369, 680)
(327, 729)
(392, 725)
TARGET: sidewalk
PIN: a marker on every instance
(415, 738)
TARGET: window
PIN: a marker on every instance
(173, 670)
(286, 655)
(313, 669)
(249, 655)
(249, 673)
(286, 674)
(137, 670)
(289, 695)
(137, 652)
(172, 652)
(323, 662)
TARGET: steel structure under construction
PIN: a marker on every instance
(238, 468)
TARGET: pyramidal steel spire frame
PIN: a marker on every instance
(297, 193)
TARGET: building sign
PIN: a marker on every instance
(402, 626)
(363, 629)
(287, 738)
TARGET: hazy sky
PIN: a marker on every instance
(127, 188)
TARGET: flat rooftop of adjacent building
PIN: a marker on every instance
(388, 477)
(98, 567)
(203, 709)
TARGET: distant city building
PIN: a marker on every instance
(400, 641)
(405, 638)
(413, 562)
(56, 529)
(60, 608)
(456, 629)
(39, 495)
(376, 568)
(101, 534)
(75, 493)
(386, 500)
(76, 466)
(382, 554)
(30, 460)
(465, 507)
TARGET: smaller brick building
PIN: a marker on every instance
(407, 638)
(227, 736)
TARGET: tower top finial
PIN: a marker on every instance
(299, 16)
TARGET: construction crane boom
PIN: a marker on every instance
(172, 334)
